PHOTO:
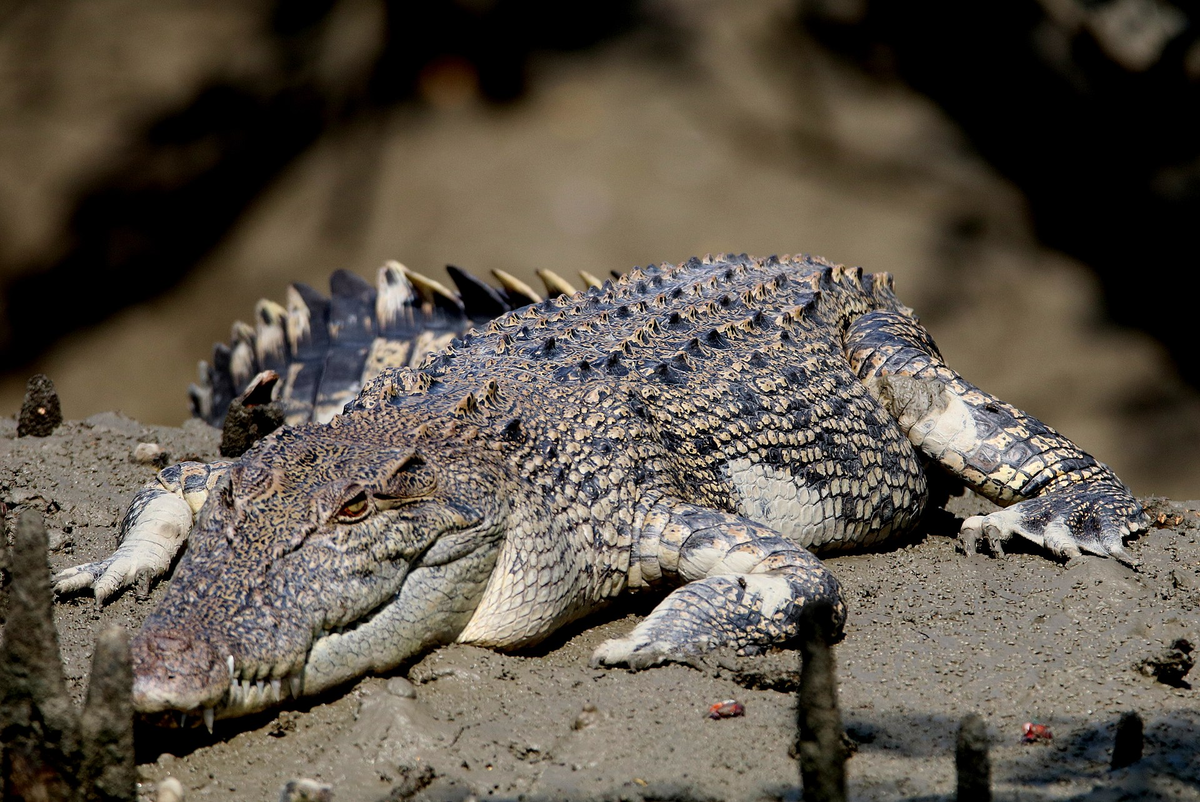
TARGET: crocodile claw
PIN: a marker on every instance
(1068, 523)
(637, 653)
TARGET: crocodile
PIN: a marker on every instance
(703, 430)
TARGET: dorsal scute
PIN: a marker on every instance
(667, 323)
(270, 341)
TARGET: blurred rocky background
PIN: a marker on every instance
(1029, 170)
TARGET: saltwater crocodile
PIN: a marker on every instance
(706, 427)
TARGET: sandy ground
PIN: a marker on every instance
(932, 635)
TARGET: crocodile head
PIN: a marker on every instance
(327, 552)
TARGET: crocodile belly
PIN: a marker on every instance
(827, 513)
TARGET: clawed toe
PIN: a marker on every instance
(626, 652)
(1067, 525)
(985, 529)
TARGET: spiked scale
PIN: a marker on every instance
(330, 347)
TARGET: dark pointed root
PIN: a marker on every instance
(40, 412)
(972, 761)
(107, 764)
(820, 745)
(1127, 746)
(37, 722)
(50, 753)
(252, 415)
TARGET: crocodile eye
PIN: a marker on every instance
(355, 508)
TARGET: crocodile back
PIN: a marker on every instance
(721, 381)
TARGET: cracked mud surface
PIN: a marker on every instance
(932, 635)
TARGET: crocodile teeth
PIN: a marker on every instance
(210, 717)
(277, 689)
(229, 662)
(296, 684)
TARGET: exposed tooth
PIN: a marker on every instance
(277, 689)
(229, 662)
(183, 721)
(209, 717)
(261, 686)
(296, 683)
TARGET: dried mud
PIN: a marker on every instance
(933, 635)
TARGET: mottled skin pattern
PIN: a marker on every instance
(705, 427)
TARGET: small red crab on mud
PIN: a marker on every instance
(730, 708)
(1034, 733)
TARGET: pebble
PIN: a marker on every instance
(150, 454)
(400, 686)
(588, 716)
(58, 539)
(169, 790)
(306, 790)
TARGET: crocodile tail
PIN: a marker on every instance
(325, 348)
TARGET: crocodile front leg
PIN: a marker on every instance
(153, 531)
(747, 586)
(1057, 495)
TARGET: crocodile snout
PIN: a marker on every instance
(174, 670)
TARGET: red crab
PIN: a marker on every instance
(1034, 733)
(730, 708)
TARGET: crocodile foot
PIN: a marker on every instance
(154, 531)
(1087, 518)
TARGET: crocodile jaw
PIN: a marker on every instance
(176, 669)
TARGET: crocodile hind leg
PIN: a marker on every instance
(746, 587)
(153, 531)
(1055, 494)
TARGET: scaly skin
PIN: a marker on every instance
(706, 427)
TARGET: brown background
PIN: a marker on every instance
(697, 127)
